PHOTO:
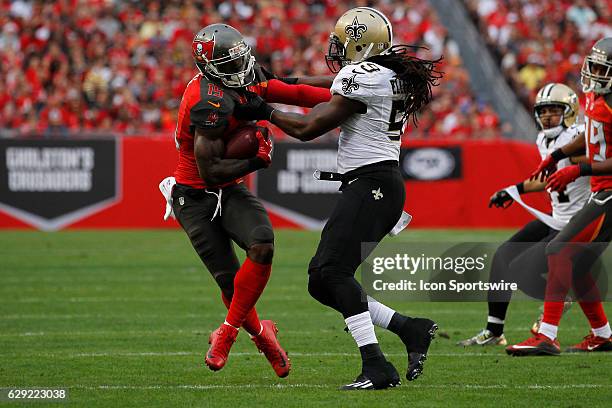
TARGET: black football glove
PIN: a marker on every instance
(501, 199)
(262, 74)
(253, 107)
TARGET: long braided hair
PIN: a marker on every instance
(417, 76)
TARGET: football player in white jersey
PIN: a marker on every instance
(378, 87)
(522, 258)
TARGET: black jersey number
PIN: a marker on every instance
(562, 197)
(396, 119)
(369, 67)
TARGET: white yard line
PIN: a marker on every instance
(494, 353)
(206, 332)
(333, 387)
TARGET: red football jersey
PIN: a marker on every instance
(598, 133)
(208, 105)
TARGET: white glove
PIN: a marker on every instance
(166, 187)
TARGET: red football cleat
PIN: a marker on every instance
(268, 344)
(592, 343)
(221, 341)
(538, 345)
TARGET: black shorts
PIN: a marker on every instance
(240, 218)
(370, 205)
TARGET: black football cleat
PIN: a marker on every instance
(375, 378)
(417, 338)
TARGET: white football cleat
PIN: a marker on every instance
(484, 338)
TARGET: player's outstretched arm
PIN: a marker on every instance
(501, 198)
(209, 149)
(548, 165)
(532, 186)
(306, 96)
(321, 119)
(262, 74)
(323, 81)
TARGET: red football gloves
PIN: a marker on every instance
(546, 167)
(265, 145)
(561, 178)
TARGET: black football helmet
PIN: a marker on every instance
(220, 52)
(596, 72)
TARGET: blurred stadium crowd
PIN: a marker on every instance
(119, 66)
(541, 41)
(74, 66)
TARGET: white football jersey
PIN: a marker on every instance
(373, 136)
(574, 197)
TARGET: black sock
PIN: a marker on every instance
(496, 328)
(498, 310)
(371, 354)
(397, 322)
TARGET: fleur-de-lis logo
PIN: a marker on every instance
(349, 85)
(356, 29)
(377, 194)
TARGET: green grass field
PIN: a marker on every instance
(123, 318)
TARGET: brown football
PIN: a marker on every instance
(242, 143)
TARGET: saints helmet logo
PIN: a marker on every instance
(349, 85)
(356, 29)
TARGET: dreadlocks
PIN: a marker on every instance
(417, 76)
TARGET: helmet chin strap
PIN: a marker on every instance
(553, 132)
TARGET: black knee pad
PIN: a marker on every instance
(315, 284)
(261, 234)
(334, 274)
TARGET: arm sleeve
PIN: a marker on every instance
(298, 95)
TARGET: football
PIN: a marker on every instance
(242, 143)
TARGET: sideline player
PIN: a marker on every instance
(591, 225)
(555, 111)
(209, 200)
(377, 88)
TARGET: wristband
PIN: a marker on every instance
(558, 155)
(585, 169)
(520, 187)
(289, 80)
(256, 163)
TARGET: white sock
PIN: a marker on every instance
(362, 329)
(260, 331)
(381, 314)
(225, 322)
(603, 331)
(496, 320)
(549, 330)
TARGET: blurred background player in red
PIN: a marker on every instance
(592, 224)
(209, 200)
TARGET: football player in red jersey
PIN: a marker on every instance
(591, 225)
(209, 200)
